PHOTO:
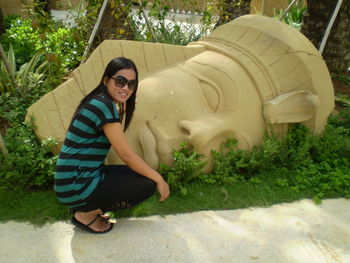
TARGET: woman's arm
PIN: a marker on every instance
(115, 135)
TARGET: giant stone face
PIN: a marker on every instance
(250, 75)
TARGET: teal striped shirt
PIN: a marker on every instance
(79, 167)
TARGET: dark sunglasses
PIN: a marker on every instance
(120, 81)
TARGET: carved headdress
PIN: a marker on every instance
(285, 67)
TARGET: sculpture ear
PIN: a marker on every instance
(292, 107)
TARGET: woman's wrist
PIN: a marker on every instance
(158, 178)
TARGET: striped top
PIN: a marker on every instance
(79, 167)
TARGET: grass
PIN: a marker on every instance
(42, 207)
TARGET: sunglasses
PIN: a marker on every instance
(120, 81)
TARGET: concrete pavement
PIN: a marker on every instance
(299, 232)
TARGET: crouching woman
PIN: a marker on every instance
(83, 182)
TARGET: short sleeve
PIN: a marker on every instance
(100, 111)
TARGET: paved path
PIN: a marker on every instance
(299, 232)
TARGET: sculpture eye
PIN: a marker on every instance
(211, 95)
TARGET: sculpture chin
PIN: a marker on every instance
(149, 146)
(154, 147)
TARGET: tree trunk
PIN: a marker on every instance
(115, 22)
(42, 7)
(231, 9)
(3, 148)
(2, 26)
(338, 44)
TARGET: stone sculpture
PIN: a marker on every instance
(250, 75)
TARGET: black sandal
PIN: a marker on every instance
(86, 227)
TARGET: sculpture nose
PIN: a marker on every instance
(205, 134)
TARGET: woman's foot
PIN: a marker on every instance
(92, 220)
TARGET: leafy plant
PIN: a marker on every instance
(62, 45)
(342, 77)
(64, 52)
(300, 161)
(29, 164)
(6, 84)
(163, 27)
(187, 167)
(27, 77)
(22, 36)
(295, 15)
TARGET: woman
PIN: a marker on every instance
(82, 182)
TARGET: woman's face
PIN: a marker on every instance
(121, 85)
(203, 101)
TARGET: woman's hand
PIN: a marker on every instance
(163, 189)
(115, 135)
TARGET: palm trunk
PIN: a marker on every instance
(2, 26)
(42, 7)
(114, 23)
(3, 148)
(338, 44)
(231, 9)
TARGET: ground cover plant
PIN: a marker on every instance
(298, 161)
(39, 207)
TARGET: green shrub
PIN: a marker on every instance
(13, 109)
(295, 15)
(187, 167)
(29, 164)
(63, 46)
(162, 27)
(342, 120)
(22, 36)
(300, 161)
(28, 77)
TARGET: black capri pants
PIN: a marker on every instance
(120, 188)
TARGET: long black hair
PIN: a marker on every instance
(113, 67)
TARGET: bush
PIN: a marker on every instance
(295, 15)
(187, 167)
(162, 27)
(62, 48)
(28, 77)
(22, 36)
(30, 164)
(61, 44)
(300, 161)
